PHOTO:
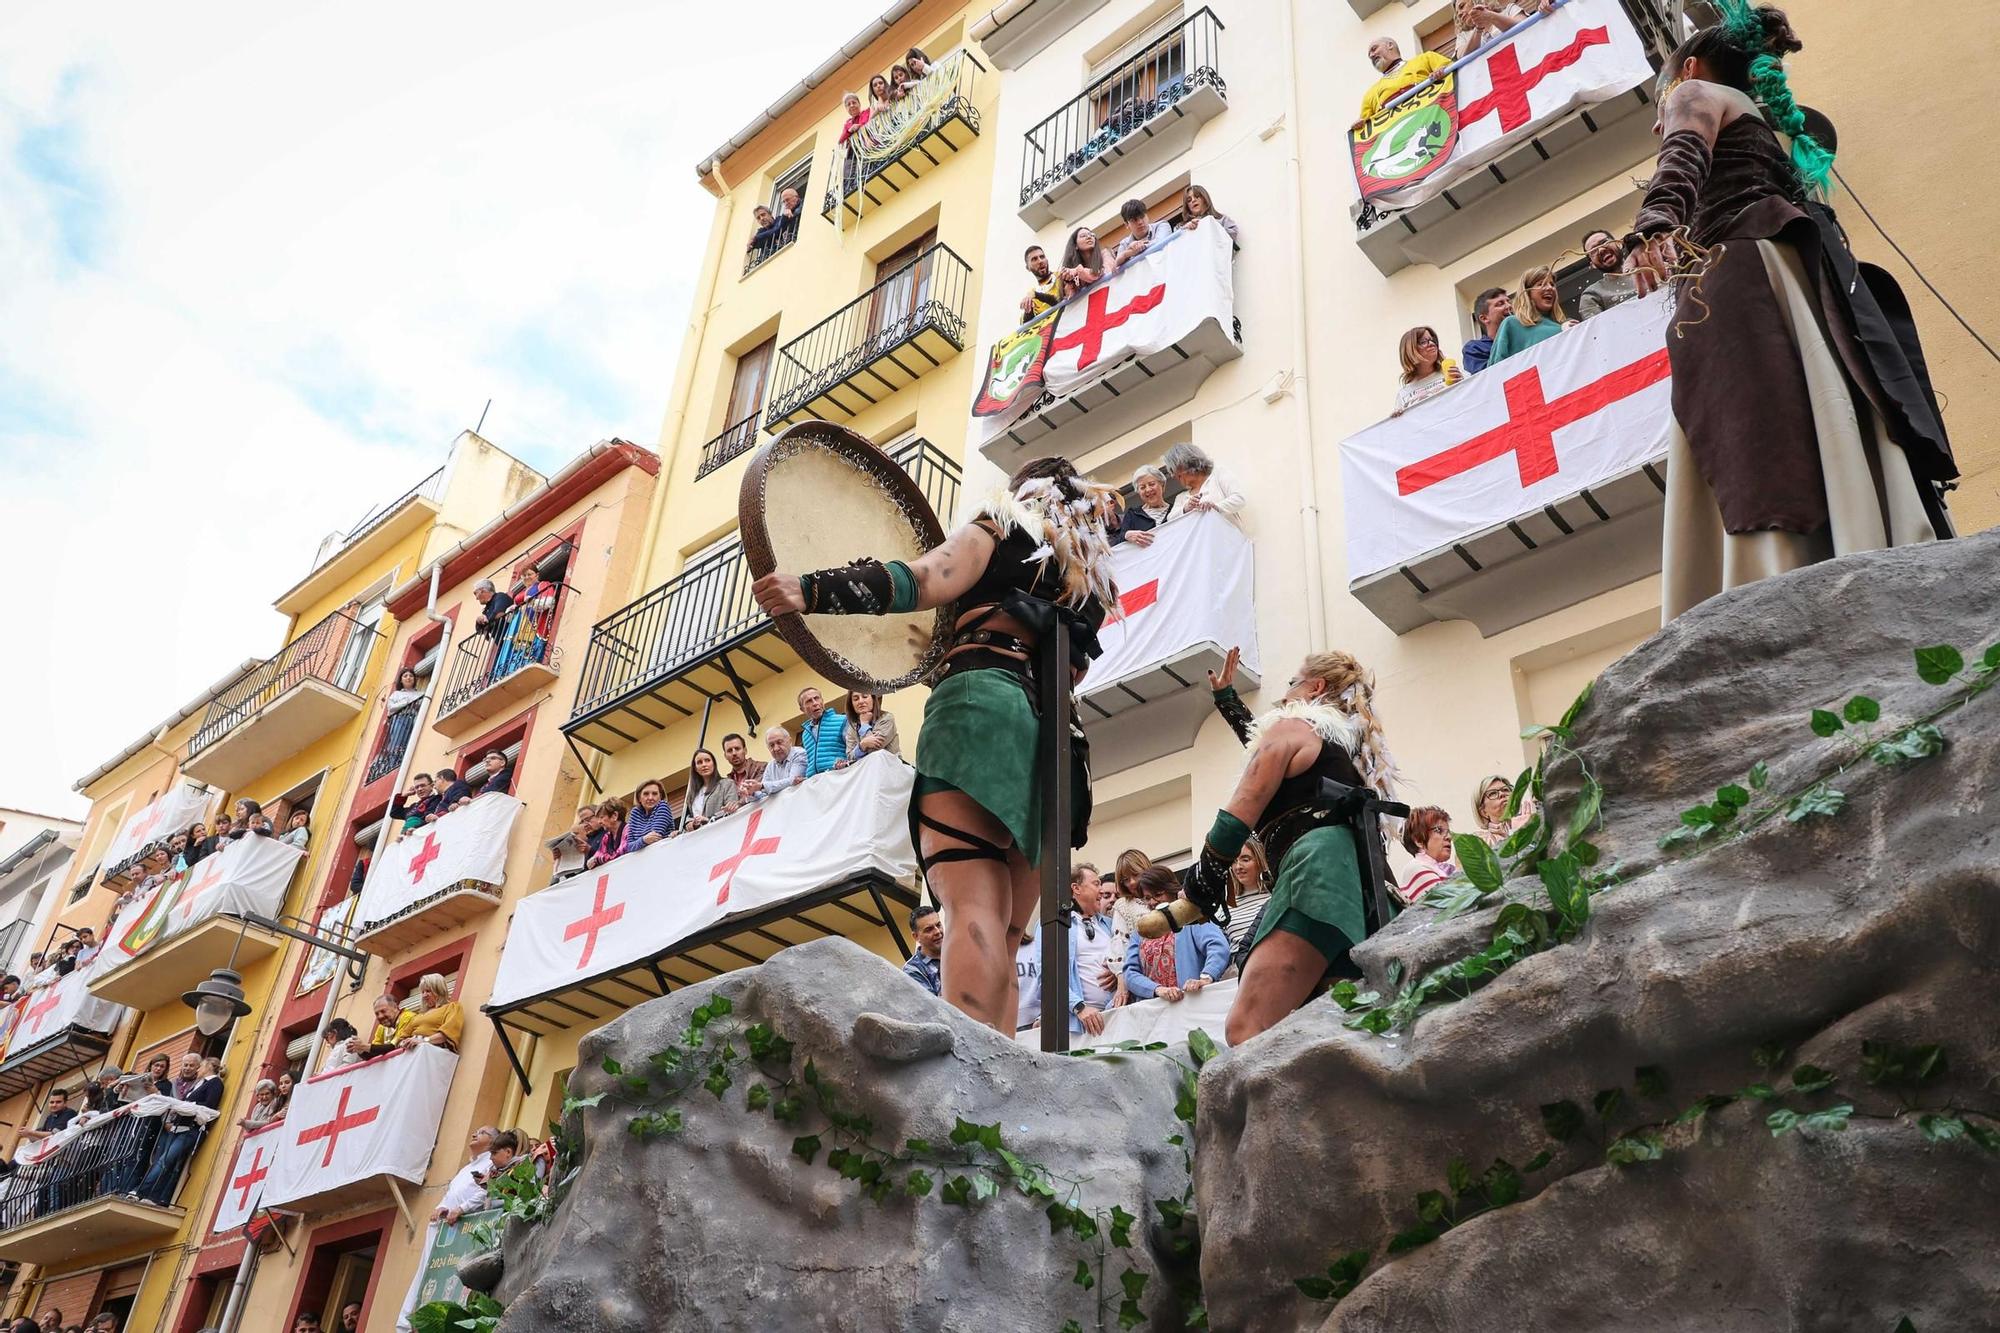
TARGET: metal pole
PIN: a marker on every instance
(232, 1309)
(1054, 766)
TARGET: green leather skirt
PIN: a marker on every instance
(981, 736)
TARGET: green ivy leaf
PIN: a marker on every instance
(1908, 745)
(1539, 1160)
(612, 1067)
(1714, 1101)
(1202, 1047)
(582, 1103)
(1983, 1135)
(1832, 1118)
(805, 1148)
(1760, 774)
(1937, 664)
(1733, 796)
(1540, 729)
(1376, 1021)
(1781, 1120)
(1606, 1101)
(1314, 1288)
(786, 1110)
(1904, 1325)
(1769, 1055)
(957, 1190)
(1421, 1234)
(1121, 1227)
(1650, 1080)
(1458, 1177)
(1888, 1063)
(917, 1184)
(1578, 704)
(1521, 838)
(1478, 862)
(1585, 852)
(1070, 1326)
(1941, 1128)
(1562, 1120)
(1172, 1211)
(1350, 997)
(1818, 799)
(1134, 1283)
(1636, 1147)
(1129, 1314)
(1589, 800)
(1825, 723)
(1811, 1078)
(1083, 1278)
(1861, 708)
(1762, 1092)
(1520, 791)
(666, 1061)
(1502, 1183)
(758, 1097)
(718, 1081)
(1432, 1206)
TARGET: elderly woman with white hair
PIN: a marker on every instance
(1148, 510)
(1204, 486)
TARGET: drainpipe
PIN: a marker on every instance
(1308, 467)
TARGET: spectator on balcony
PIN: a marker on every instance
(179, 1133)
(1085, 262)
(177, 851)
(499, 774)
(1478, 22)
(822, 734)
(745, 772)
(924, 967)
(572, 847)
(764, 239)
(526, 639)
(103, 1322)
(57, 1114)
(1094, 982)
(1113, 505)
(879, 99)
(1427, 371)
(493, 608)
(392, 1024)
(917, 63)
(857, 117)
(710, 795)
(50, 1320)
(454, 792)
(466, 1191)
(401, 706)
(788, 215)
(297, 830)
(10, 988)
(1204, 486)
(609, 840)
(1179, 963)
(1249, 890)
(1047, 289)
(1140, 233)
(651, 819)
(1613, 285)
(868, 728)
(260, 825)
(900, 80)
(199, 844)
(246, 810)
(418, 806)
(64, 962)
(1397, 73)
(1427, 838)
(338, 1039)
(1122, 900)
(1537, 316)
(1149, 488)
(263, 1105)
(101, 1094)
(1488, 309)
(88, 946)
(286, 1084)
(438, 1019)
(1197, 205)
(788, 763)
(1489, 810)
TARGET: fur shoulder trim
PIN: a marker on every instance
(1328, 723)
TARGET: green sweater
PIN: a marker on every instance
(1514, 336)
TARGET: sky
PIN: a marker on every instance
(260, 264)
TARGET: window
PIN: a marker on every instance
(1136, 77)
(753, 379)
(1441, 37)
(903, 282)
(354, 654)
(794, 179)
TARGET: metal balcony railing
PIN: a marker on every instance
(397, 725)
(738, 439)
(1123, 101)
(334, 652)
(928, 294)
(756, 256)
(426, 489)
(911, 135)
(524, 637)
(106, 1158)
(707, 607)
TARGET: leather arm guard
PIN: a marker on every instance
(864, 588)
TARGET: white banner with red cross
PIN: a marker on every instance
(171, 812)
(243, 1188)
(470, 843)
(1155, 301)
(1196, 583)
(248, 874)
(828, 829)
(41, 1014)
(375, 1118)
(1570, 412)
(99, 1125)
(1510, 89)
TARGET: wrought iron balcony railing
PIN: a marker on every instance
(738, 439)
(706, 608)
(334, 652)
(108, 1158)
(1123, 102)
(397, 725)
(427, 489)
(523, 637)
(902, 143)
(877, 343)
(758, 255)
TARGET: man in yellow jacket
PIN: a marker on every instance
(1397, 73)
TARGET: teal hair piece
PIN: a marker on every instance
(1773, 92)
(1740, 21)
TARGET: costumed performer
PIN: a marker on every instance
(1319, 906)
(1804, 422)
(1036, 551)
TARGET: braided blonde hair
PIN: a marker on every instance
(1351, 689)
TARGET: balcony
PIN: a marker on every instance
(434, 880)
(60, 1028)
(886, 339)
(356, 1134)
(934, 122)
(489, 673)
(1507, 498)
(700, 904)
(1131, 120)
(394, 742)
(734, 442)
(272, 712)
(1554, 149)
(346, 554)
(759, 255)
(1184, 602)
(699, 637)
(65, 1201)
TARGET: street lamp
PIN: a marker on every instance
(217, 1002)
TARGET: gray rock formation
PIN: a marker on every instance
(1881, 924)
(721, 1227)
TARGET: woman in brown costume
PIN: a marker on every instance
(1804, 424)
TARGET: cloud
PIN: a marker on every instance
(259, 266)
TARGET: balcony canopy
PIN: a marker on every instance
(344, 555)
(1527, 488)
(698, 637)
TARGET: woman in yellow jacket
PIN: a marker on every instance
(437, 1020)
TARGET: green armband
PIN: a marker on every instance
(1227, 835)
(902, 588)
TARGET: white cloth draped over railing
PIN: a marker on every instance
(247, 875)
(470, 843)
(37, 1151)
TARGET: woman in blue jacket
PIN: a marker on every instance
(1179, 963)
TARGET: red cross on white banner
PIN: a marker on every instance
(150, 820)
(726, 869)
(425, 855)
(1532, 421)
(211, 875)
(587, 926)
(1099, 319)
(1509, 95)
(251, 1178)
(42, 1008)
(334, 1128)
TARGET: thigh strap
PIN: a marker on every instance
(979, 849)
